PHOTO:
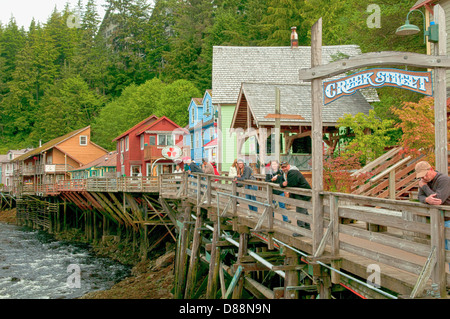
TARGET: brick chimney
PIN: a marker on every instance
(294, 38)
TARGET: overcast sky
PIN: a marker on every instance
(24, 10)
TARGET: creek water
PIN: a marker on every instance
(33, 265)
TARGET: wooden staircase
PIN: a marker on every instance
(392, 176)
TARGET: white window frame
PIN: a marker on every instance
(127, 144)
(167, 136)
(134, 166)
(141, 141)
(86, 141)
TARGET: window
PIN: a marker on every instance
(193, 115)
(135, 170)
(142, 141)
(126, 143)
(152, 140)
(165, 139)
(121, 145)
(83, 140)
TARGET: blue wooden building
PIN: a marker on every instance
(202, 128)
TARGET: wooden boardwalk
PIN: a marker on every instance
(374, 247)
(398, 245)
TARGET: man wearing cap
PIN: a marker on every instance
(434, 187)
(293, 178)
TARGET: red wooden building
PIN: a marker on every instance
(140, 148)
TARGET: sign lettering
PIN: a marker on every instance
(411, 80)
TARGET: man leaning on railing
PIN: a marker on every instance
(434, 189)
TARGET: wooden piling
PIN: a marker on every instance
(193, 263)
(181, 263)
(292, 275)
(243, 248)
(214, 264)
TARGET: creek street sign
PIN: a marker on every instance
(416, 81)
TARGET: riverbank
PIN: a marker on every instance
(151, 279)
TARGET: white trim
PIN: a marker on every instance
(86, 137)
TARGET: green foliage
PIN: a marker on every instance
(55, 78)
(370, 135)
(139, 102)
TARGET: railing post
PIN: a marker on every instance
(438, 240)
(208, 190)
(334, 218)
(199, 189)
(270, 216)
(234, 207)
(392, 184)
(185, 183)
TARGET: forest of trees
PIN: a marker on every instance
(56, 77)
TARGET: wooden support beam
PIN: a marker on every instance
(243, 248)
(214, 265)
(193, 263)
(169, 211)
(121, 210)
(292, 276)
(440, 95)
(372, 59)
(108, 209)
(317, 137)
(234, 283)
(134, 206)
(95, 203)
(181, 262)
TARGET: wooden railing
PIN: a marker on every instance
(407, 238)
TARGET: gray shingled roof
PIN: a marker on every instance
(296, 99)
(234, 65)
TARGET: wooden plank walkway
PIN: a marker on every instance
(395, 235)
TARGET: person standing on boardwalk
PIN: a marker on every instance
(245, 172)
(274, 175)
(233, 169)
(293, 178)
(207, 167)
(193, 167)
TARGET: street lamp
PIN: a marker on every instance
(408, 29)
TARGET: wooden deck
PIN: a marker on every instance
(382, 248)
(396, 236)
(142, 184)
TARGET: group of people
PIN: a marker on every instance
(434, 187)
(191, 166)
(283, 174)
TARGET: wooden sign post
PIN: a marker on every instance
(317, 136)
